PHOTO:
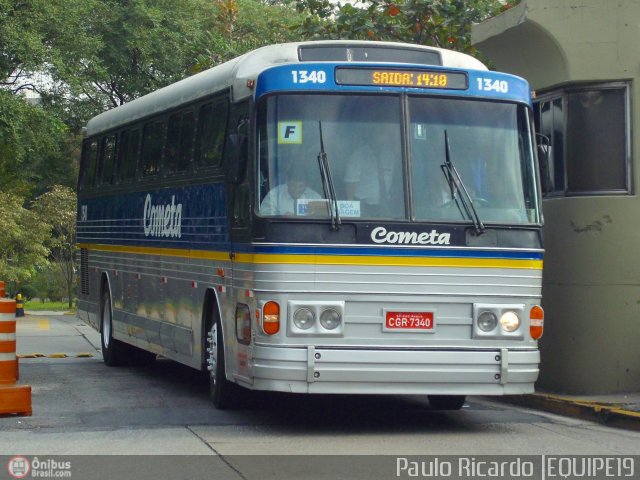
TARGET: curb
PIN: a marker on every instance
(609, 414)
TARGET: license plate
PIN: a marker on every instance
(409, 321)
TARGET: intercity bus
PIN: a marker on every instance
(405, 257)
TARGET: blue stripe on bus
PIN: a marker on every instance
(396, 251)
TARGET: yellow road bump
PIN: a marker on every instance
(44, 324)
(56, 355)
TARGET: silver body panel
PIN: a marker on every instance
(158, 299)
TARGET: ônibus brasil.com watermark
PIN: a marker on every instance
(22, 467)
(541, 467)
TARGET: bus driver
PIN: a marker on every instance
(281, 200)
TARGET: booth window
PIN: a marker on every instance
(588, 129)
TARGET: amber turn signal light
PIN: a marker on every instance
(536, 322)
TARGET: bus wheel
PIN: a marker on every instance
(446, 402)
(113, 351)
(222, 391)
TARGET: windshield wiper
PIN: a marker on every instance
(327, 184)
(458, 189)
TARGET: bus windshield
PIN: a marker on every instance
(378, 174)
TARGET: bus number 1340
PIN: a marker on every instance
(306, 76)
(489, 85)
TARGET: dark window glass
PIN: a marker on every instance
(107, 158)
(153, 142)
(588, 131)
(212, 121)
(88, 166)
(368, 54)
(552, 127)
(128, 154)
(557, 156)
(596, 152)
(173, 142)
(179, 142)
(186, 141)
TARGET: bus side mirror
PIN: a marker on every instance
(544, 159)
(236, 165)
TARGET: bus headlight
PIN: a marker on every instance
(495, 321)
(315, 318)
(330, 319)
(487, 321)
(303, 318)
(509, 321)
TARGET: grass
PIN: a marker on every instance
(35, 306)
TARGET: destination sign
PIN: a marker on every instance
(418, 78)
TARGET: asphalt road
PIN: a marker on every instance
(82, 407)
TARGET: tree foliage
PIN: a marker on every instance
(440, 23)
(22, 240)
(243, 25)
(35, 147)
(57, 210)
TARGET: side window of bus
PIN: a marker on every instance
(107, 158)
(128, 155)
(212, 123)
(88, 164)
(152, 145)
(239, 125)
(179, 142)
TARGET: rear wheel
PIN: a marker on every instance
(446, 402)
(113, 351)
(223, 392)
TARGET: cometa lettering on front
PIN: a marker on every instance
(162, 220)
(382, 235)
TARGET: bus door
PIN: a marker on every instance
(241, 302)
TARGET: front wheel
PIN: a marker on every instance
(223, 392)
(113, 351)
(446, 402)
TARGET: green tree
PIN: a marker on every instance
(440, 23)
(244, 25)
(135, 47)
(57, 210)
(22, 240)
(35, 33)
(35, 147)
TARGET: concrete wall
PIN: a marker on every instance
(591, 290)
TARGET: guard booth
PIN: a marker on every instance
(582, 58)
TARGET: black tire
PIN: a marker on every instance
(446, 402)
(113, 351)
(223, 392)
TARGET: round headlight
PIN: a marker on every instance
(303, 318)
(487, 321)
(509, 321)
(330, 319)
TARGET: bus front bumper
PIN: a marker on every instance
(499, 371)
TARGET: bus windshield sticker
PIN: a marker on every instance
(314, 208)
(290, 132)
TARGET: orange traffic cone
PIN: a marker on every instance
(14, 398)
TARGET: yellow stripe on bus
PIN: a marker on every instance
(388, 261)
(167, 252)
(289, 259)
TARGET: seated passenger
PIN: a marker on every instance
(281, 200)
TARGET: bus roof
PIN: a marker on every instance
(233, 76)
